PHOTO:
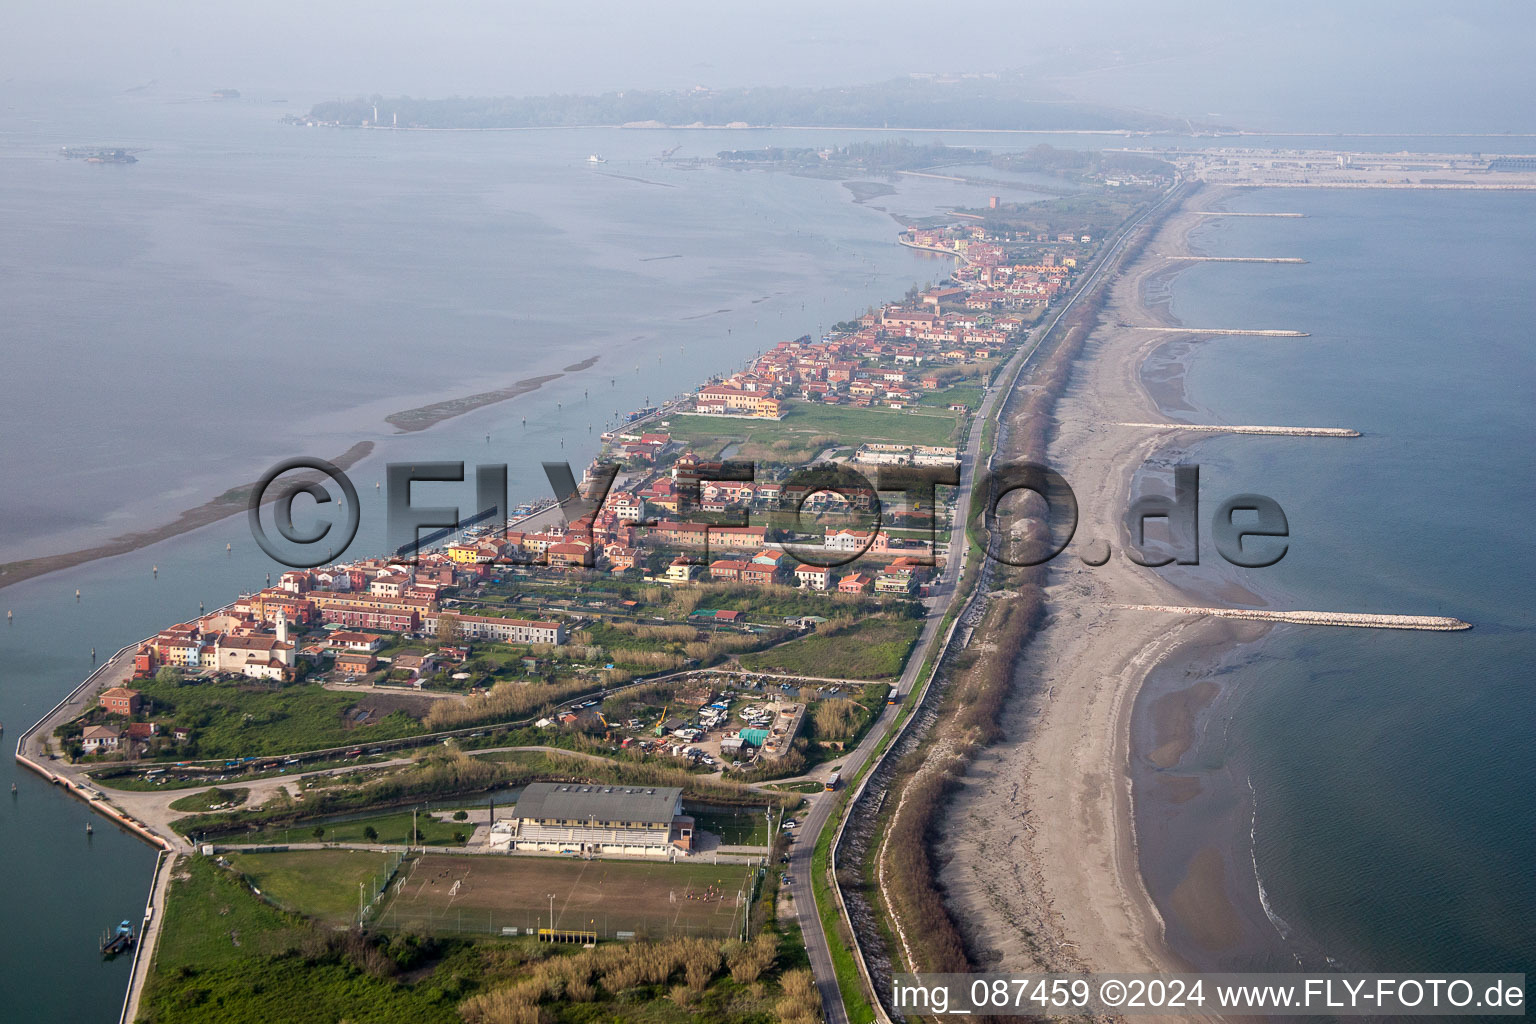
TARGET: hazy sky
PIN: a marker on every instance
(1406, 65)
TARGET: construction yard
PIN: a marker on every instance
(446, 894)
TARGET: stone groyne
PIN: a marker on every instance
(1250, 331)
(1222, 428)
(1358, 620)
(1236, 259)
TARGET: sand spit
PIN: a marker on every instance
(231, 502)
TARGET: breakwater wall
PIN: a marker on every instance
(1250, 331)
(1237, 259)
(1358, 620)
(1222, 428)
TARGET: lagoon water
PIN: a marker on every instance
(1377, 785)
(250, 291)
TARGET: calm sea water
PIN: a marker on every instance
(1376, 784)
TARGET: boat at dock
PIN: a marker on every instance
(120, 941)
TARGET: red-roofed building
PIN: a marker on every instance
(122, 701)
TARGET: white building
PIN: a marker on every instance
(507, 631)
(557, 817)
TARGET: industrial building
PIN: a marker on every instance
(558, 817)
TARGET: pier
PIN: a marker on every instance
(1222, 428)
(1235, 259)
(1250, 331)
(1230, 213)
(1357, 620)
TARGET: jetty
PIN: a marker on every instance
(1236, 259)
(1357, 620)
(1222, 428)
(1251, 331)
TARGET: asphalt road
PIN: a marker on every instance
(823, 804)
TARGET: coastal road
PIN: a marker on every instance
(153, 807)
(823, 805)
(149, 935)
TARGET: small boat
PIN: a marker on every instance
(119, 941)
(89, 829)
(595, 159)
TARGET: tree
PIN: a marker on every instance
(447, 627)
(319, 832)
(371, 834)
(169, 676)
(460, 815)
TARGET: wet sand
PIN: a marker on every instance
(231, 502)
(424, 416)
(1042, 862)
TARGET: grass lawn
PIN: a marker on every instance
(854, 426)
(961, 394)
(241, 720)
(747, 826)
(872, 649)
(799, 787)
(807, 429)
(225, 956)
(843, 965)
(211, 919)
(212, 799)
(393, 828)
(321, 884)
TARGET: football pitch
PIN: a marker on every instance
(444, 894)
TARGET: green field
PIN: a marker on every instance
(393, 828)
(226, 956)
(872, 649)
(807, 429)
(243, 720)
(211, 798)
(961, 394)
(747, 826)
(653, 899)
(211, 918)
(321, 884)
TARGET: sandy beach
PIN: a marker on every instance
(1042, 869)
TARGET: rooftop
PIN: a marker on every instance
(649, 804)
